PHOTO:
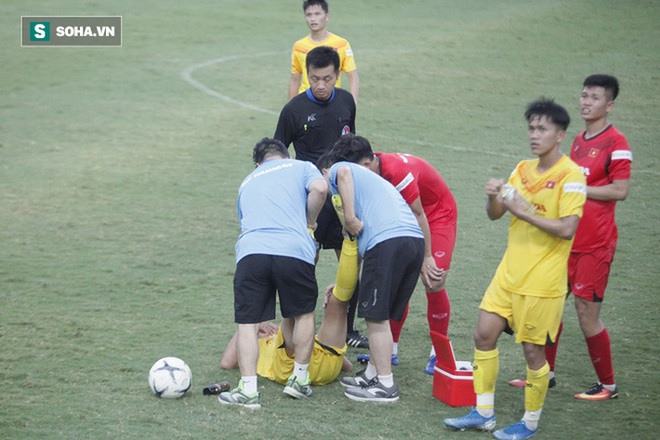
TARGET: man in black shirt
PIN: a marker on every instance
(313, 121)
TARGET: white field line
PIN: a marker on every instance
(187, 75)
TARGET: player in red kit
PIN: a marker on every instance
(433, 204)
(604, 156)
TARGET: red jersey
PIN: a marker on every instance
(602, 159)
(413, 177)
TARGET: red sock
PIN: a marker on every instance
(397, 326)
(551, 350)
(438, 311)
(600, 351)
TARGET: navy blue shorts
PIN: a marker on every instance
(389, 276)
(260, 279)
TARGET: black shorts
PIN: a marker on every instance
(389, 275)
(328, 231)
(259, 277)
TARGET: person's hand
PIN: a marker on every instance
(515, 203)
(432, 276)
(267, 328)
(354, 226)
(494, 186)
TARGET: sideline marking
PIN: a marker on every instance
(187, 75)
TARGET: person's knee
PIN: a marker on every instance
(485, 339)
(226, 365)
(534, 355)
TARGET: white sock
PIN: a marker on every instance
(551, 375)
(395, 348)
(531, 419)
(370, 372)
(432, 352)
(300, 370)
(249, 384)
(609, 387)
(387, 381)
(486, 404)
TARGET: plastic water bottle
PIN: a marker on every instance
(508, 193)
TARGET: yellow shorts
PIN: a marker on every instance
(533, 319)
(274, 364)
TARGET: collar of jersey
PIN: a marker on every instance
(311, 96)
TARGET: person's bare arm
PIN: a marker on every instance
(617, 190)
(354, 84)
(294, 84)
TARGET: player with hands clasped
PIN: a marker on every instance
(528, 290)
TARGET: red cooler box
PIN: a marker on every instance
(452, 381)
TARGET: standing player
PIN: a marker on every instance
(277, 203)
(545, 197)
(313, 121)
(391, 245)
(604, 157)
(317, 16)
(433, 204)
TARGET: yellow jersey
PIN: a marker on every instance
(304, 45)
(535, 262)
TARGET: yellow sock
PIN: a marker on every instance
(486, 367)
(537, 388)
(347, 271)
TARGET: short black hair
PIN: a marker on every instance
(551, 110)
(353, 148)
(269, 147)
(608, 82)
(322, 3)
(322, 56)
(328, 159)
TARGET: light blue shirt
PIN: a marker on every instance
(272, 210)
(383, 211)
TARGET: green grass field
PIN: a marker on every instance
(119, 169)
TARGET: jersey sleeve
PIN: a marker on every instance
(296, 59)
(573, 195)
(621, 160)
(348, 64)
(285, 129)
(311, 174)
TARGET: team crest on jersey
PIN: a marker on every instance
(345, 130)
(593, 152)
(550, 184)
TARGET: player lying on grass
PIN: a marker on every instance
(276, 355)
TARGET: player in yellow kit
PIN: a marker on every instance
(545, 197)
(317, 16)
(276, 358)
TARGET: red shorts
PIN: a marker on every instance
(588, 273)
(443, 240)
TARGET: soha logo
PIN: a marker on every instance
(39, 31)
(71, 31)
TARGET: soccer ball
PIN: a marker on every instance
(170, 377)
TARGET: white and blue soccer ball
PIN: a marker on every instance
(170, 377)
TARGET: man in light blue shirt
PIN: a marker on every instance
(278, 204)
(391, 245)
